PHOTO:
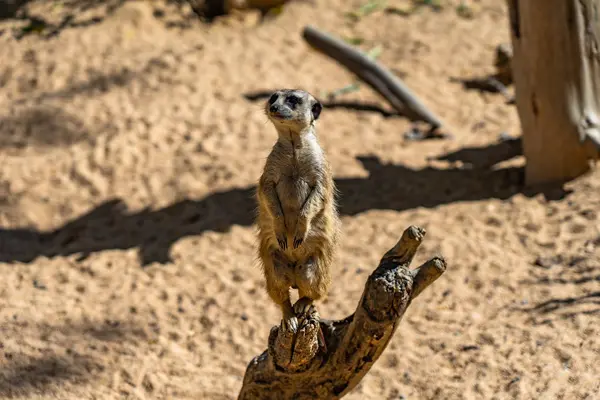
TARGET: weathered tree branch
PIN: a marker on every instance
(375, 75)
(296, 367)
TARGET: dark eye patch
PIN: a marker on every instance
(293, 100)
(273, 98)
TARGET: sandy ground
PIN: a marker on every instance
(128, 156)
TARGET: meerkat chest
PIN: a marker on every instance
(297, 178)
(299, 171)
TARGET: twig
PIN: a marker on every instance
(375, 75)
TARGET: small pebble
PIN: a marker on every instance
(39, 285)
(547, 262)
(505, 137)
(514, 380)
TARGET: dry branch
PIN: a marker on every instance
(375, 75)
(296, 367)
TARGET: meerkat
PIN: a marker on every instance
(298, 222)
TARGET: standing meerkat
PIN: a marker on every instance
(298, 222)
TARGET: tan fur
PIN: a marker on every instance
(296, 203)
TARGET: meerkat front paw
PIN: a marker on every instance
(298, 240)
(282, 240)
(281, 236)
(301, 233)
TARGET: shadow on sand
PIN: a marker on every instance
(24, 376)
(579, 269)
(387, 187)
(43, 126)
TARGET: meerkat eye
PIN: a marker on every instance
(273, 98)
(293, 100)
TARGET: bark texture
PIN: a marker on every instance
(296, 367)
(557, 83)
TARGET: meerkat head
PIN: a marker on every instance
(293, 109)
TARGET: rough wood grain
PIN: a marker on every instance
(556, 70)
(296, 367)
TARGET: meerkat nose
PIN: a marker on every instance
(274, 108)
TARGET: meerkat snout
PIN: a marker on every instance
(295, 109)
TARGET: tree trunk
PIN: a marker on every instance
(297, 367)
(557, 84)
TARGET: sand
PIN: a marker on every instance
(128, 158)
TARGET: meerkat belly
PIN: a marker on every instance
(293, 192)
(293, 189)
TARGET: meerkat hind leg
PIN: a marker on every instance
(304, 275)
(289, 321)
(311, 286)
(280, 294)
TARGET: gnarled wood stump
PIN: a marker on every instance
(296, 367)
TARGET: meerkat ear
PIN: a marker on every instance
(316, 110)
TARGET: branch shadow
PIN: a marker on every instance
(103, 83)
(387, 187)
(566, 281)
(73, 14)
(579, 268)
(563, 269)
(496, 83)
(565, 308)
(557, 304)
(495, 153)
(67, 14)
(348, 105)
(27, 376)
(486, 84)
(41, 127)
(22, 375)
